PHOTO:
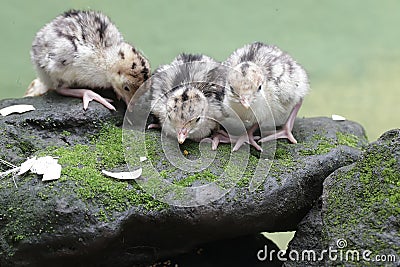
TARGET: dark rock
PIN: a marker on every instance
(236, 252)
(361, 203)
(57, 121)
(86, 219)
(308, 237)
(360, 210)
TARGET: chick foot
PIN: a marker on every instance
(223, 137)
(87, 96)
(217, 138)
(286, 131)
(247, 138)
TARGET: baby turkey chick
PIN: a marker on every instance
(186, 102)
(259, 76)
(83, 50)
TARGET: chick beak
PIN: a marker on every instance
(182, 135)
(244, 100)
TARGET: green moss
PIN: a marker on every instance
(152, 142)
(324, 144)
(346, 139)
(204, 176)
(66, 133)
(283, 156)
(19, 216)
(367, 194)
(251, 173)
(82, 165)
(92, 186)
(26, 147)
(109, 146)
(222, 171)
(282, 161)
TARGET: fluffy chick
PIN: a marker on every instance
(259, 76)
(83, 50)
(186, 102)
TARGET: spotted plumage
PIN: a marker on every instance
(184, 98)
(84, 50)
(266, 86)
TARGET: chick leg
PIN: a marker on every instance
(247, 138)
(223, 137)
(215, 139)
(87, 96)
(286, 131)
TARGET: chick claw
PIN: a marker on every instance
(283, 133)
(223, 137)
(286, 131)
(247, 138)
(216, 139)
(87, 96)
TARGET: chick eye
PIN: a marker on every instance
(259, 88)
(198, 119)
(126, 88)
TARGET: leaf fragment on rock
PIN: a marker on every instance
(46, 166)
(41, 164)
(16, 109)
(124, 175)
(338, 117)
(52, 173)
(26, 165)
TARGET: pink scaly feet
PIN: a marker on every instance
(248, 137)
(215, 139)
(87, 96)
(286, 131)
(223, 137)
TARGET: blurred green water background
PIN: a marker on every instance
(349, 48)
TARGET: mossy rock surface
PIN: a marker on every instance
(85, 218)
(360, 210)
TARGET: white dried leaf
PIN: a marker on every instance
(338, 117)
(142, 159)
(48, 166)
(26, 166)
(41, 165)
(16, 109)
(52, 173)
(124, 175)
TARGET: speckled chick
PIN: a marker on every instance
(186, 102)
(259, 76)
(83, 50)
